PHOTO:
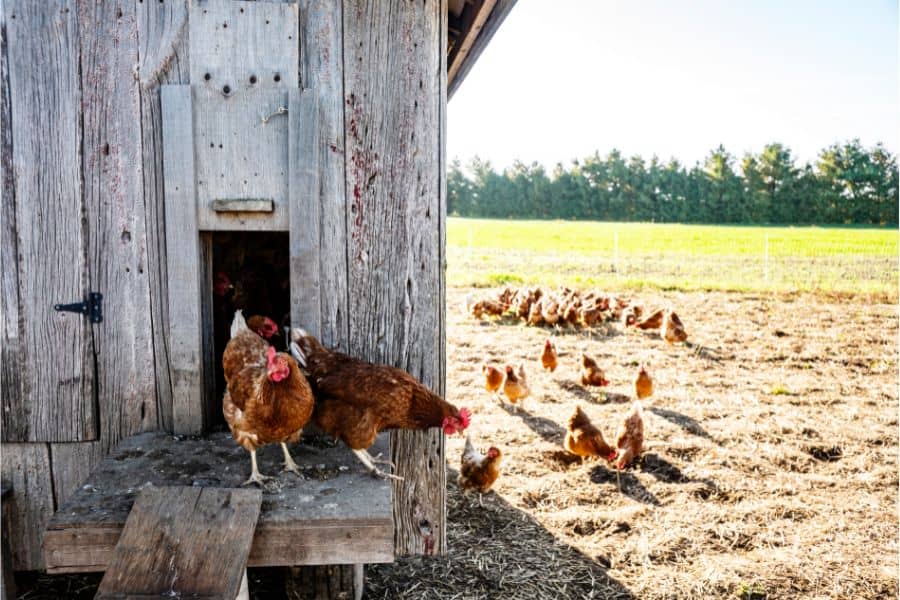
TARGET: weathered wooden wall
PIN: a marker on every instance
(83, 208)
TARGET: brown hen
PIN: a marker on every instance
(267, 399)
(356, 399)
(584, 440)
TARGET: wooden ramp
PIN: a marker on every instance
(183, 542)
(337, 514)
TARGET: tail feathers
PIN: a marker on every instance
(578, 419)
(298, 354)
(469, 447)
(238, 324)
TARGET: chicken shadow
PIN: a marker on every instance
(600, 396)
(486, 521)
(626, 482)
(687, 423)
(664, 471)
(549, 430)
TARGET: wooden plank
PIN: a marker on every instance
(57, 403)
(115, 213)
(162, 37)
(27, 469)
(322, 71)
(11, 364)
(491, 25)
(182, 256)
(338, 514)
(234, 41)
(72, 464)
(436, 440)
(183, 541)
(240, 156)
(243, 205)
(393, 82)
(303, 116)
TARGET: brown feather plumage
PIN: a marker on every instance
(258, 410)
(355, 399)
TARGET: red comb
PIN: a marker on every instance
(270, 353)
(465, 417)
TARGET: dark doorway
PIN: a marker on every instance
(250, 271)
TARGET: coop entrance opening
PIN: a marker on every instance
(251, 272)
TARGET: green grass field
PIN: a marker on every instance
(690, 257)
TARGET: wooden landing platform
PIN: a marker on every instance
(336, 514)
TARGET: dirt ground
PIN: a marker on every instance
(770, 466)
(769, 471)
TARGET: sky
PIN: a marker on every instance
(676, 78)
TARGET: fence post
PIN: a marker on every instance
(766, 262)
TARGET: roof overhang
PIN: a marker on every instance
(470, 26)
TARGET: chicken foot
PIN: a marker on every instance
(289, 464)
(369, 462)
(256, 478)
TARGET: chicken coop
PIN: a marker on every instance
(165, 162)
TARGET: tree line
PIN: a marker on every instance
(847, 184)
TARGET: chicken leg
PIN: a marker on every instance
(257, 478)
(289, 464)
(369, 462)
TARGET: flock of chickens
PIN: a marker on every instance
(573, 308)
(567, 307)
(270, 395)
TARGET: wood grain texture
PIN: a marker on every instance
(239, 156)
(393, 81)
(183, 260)
(322, 71)
(162, 58)
(114, 209)
(183, 541)
(338, 514)
(234, 41)
(303, 119)
(56, 402)
(27, 468)
(72, 464)
(10, 357)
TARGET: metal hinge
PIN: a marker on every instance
(93, 307)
